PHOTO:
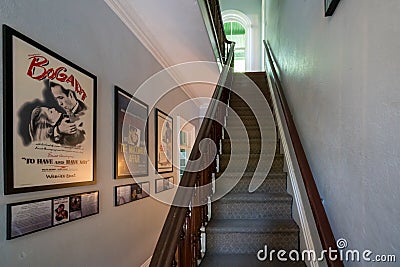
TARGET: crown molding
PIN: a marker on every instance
(130, 17)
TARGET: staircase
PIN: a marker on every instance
(243, 223)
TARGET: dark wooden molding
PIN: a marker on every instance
(321, 219)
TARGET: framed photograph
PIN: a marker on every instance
(164, 142)
(164, 184)
(32, 216)
(131, 192)
(131, 136)
(330, 6)
(49, 118)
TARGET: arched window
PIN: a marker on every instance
(237, 28)
(237, 33)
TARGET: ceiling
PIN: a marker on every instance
(174, 32)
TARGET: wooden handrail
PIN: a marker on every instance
(178, 232)
(321, 219)
(211, 11)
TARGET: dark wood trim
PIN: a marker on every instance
(320, 217)
(330, 7)
(211, 12)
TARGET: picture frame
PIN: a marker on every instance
(330, 6)
(125, 194)
(164, 184)
(28, 217)
(131, 136)
(163, 142)
(49, 118)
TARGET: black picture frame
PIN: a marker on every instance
(136, 118)
(330, 6)
(128, 193)
(37, 215)
(164, 141)
(38, 154)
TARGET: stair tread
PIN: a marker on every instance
(251, 127)
(249, 175)
(254, 197)
(243, 260)
(252, 140)
(237, 156)
(252, 226)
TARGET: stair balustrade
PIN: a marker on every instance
(180, 239)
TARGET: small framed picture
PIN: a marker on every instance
(164, 142)
(131, 136)
(164, 184)
(125, 194)
(330, 6)
(49, 118)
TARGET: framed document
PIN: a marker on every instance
(164, 142)
(32, 216)
(49, 118)
(131, 136)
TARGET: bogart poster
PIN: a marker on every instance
(49, 118)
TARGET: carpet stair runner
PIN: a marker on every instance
(243, 223)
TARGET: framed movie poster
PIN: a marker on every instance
(164, 142)
(49, 118)
(131, 136)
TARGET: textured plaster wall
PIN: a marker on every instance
(252, 9)
(341, 77)
(89, 34)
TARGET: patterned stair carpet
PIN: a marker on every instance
(243, 223)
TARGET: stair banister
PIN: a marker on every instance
(321, 219)
(211, 11)
(165, 250)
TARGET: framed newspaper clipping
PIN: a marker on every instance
(49, 118)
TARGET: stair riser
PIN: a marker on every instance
(249, 121)
(254, 146)
(243, 111)
(252, 210)
(251, 133)
(253, 101)
(268, 186)
(277, 164)
(250, 243)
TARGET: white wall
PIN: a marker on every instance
(89, 34)
(341, 77)
(252, 9)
